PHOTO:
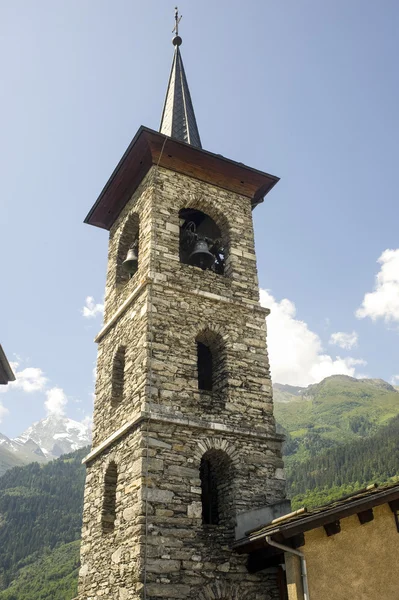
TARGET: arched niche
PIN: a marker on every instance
(129, 239)
(202, 242)
(217, 488)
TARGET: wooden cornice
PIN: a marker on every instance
(150, 148)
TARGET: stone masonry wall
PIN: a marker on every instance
(131, 332)
(140, 204)
(159, 547)
(231, 212)
(111, 562)
(185, 555)
(158, 483)
(177, 319)
(184, 302)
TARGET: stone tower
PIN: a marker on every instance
(184, 437)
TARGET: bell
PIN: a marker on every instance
(130, 264)
(200, 256)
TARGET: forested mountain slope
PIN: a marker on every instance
(40, 508)
(53, 576)
(345, 468)
(339, 409)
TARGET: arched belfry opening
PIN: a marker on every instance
(217, 488)
(127, 259)
(202, 243)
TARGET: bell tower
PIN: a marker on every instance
(184, 436)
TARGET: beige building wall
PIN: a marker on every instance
(359, 563)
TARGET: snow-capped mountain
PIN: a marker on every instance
(43, 441)
(56, 435)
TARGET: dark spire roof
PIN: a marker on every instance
(178, 118)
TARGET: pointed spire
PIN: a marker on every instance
(178, 118)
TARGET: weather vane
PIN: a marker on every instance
(177, 19)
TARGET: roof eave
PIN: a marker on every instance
(6, 373)
(115, 172)
(148, 147)
(312, 521)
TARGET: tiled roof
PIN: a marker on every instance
(342, 507)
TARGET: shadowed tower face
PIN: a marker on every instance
(184, 436)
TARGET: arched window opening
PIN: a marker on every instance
(201, 241)
(209, 493)
(128, 250)
(205, 367)
(118, 376)
(211, 366)
(109, 502)
(217, 495)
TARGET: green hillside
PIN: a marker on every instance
(40, 509)
(54, 576)
(337, 410)
(345, 468)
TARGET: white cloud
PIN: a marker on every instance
(344, 340)
(30, 379)
(395, 380)
(91, 309)
(383, 302)
(87, 421)
(295, 352)
(3, 412)
(56, 401)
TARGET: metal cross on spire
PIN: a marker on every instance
(178, 118)
(177, 21)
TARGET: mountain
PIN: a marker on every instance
(286, 393)
(8, 457)
(345, 468)
(43, 441)
(341, 434)
(337, 410)
(56, 435)
(14, 453)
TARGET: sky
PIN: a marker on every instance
(307, 91)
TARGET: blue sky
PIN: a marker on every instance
(304, 90)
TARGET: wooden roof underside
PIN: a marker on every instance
(6, 373)
(149, 148)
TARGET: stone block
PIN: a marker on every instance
(157, 495)
(194, 510)
(163, 566)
